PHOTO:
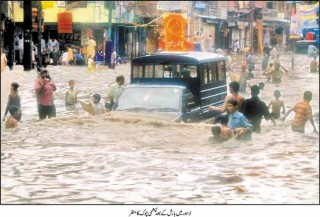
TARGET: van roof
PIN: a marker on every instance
(174, 57)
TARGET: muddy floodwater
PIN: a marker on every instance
(118, 158)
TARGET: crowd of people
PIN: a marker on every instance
(51, 53)
(240, 117)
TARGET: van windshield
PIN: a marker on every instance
(166, 99)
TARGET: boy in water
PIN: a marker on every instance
(276, 105)
(71, 95)
(238, 123)
(303, 114)
(243, 78)
(314, 65)
(97, 105)
(223, 130)
(12, 121)
(268, 71)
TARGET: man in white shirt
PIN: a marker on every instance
(114, 93)
(50, 45)
(20, 48)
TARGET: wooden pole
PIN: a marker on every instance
(27, 35)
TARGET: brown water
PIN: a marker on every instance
(78, 158)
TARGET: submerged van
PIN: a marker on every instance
(184, 83)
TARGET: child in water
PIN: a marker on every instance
(12, 121)
(314, 65)
(276, 105)
(71, 95)
(223, 133)
(243, 78)
(97, 106)
(90, 64)
(13, 98)
(268, 71)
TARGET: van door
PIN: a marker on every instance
(190, 108)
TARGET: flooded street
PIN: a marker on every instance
(78, 158)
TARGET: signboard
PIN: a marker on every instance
(47, 4)
(304, 17)
(214, 21)
(65, 22)
(175, 33)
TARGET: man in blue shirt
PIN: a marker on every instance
(251, 59)
(238, 123)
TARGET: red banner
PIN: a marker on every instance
(65, 22)
(35, 18)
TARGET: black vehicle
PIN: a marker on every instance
(200, 78)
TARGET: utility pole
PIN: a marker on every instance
(251, 23)
(110, 6)
(39, 33)
(109, 45)
(27, 35)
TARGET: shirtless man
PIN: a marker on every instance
(233, 88)
(276, 105)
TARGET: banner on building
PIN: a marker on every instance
(175, 38)
(35, 20)
(47, 4)
(65, 22)
(308, 15)
(305, 16)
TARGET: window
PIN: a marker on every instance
(138, 72)
(204, 73)
(213, 72)
(221, 71)
(158, 71)
(148, 71)
(269, 5)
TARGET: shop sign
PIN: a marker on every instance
(200, 6)
(221, 14)
(47, 4)
(232, 24)
(65, 22)
(214, 21)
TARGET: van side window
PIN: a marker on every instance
(221, 71)
(212, 72)
(138, 72)
(204, 74)
(148, 71)
(158, 71)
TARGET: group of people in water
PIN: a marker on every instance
(44, 89)
(244, 116)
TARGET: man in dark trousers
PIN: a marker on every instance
(253, 109)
